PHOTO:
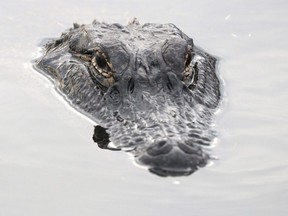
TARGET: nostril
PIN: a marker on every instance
(159, 148)
(161, 144)
(190, 149)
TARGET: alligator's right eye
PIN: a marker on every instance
(98, 65)
(98, 60)
(101, 63)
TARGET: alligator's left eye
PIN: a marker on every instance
(190, 73)
(187, 61)
(188, 58)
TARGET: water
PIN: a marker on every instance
(50, 165)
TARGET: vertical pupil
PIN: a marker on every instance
(101, 61)
(188, 60)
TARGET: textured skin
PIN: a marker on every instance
(152, 92)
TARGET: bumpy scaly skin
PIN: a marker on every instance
(151, 89)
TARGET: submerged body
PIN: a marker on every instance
(149, 88)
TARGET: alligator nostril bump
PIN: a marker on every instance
(190, 149)
(159, 148)
(161, 143)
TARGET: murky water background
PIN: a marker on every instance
(49, 164)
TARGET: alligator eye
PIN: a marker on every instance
(99, 67)
(188, 59)
(101, 64)
(100, 61)
(187, 62)
(190, 74)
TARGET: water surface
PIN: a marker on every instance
(49, 164)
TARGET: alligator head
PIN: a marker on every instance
(152, 92)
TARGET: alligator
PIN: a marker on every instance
(149, 89)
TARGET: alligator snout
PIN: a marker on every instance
(173, 158)
(158, 123)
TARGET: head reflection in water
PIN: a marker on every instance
(152, 92)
